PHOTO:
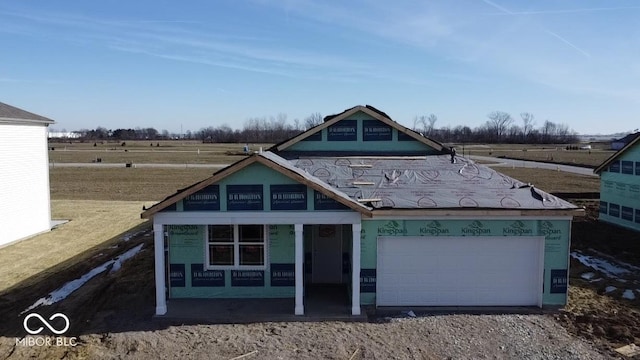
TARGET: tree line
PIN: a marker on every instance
(264, 129)
(500, 127)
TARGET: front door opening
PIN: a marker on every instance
(328, 292)
(327, 254)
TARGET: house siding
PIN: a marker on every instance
(620, 190)
(24, 179)
(262, 177)
(187, 278)
(359, 141)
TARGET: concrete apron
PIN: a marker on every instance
(243, 311)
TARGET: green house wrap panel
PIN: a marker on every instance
(187, 250)
(621, 190)
(277, 189)
(368, 135)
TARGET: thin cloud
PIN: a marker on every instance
(555, 35)
(566, 11)
(586, 54)
(502, 9)
(176, 40)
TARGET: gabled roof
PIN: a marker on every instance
(617, 154)
(369, 110)
(11, 114)
(271, 161)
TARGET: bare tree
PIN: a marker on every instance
(527, 123)
(431, 123)
(420, 124)
(499, 122)
(313, 120)
(425, 124)
(548, 130)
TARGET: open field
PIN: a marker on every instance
(546, 153)
(155, 184)
(553, 181)
(91, 224)
(122, 184)
(168, 152)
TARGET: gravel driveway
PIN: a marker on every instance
(429, 337)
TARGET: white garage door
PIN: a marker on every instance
(459, 271)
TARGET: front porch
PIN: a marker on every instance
(308, 301)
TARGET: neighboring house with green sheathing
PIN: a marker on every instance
(371, 208)
(620, 187)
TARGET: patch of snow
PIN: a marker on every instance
(130, 236)
(65, 290)
(588, 276)
(604, 266)
(627, 265)
(596, 280)
(609, 289)
(117, 262)
(629, 295)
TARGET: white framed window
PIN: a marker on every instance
(236, 247)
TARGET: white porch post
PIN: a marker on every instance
(299, 310)
(158, 246)
(355, 270)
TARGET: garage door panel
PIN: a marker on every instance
(459, 271)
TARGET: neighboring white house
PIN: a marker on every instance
(24, 174)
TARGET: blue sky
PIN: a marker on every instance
(164, 64)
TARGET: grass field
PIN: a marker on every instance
(195, 152)
(553, 181)
(91, 223)
(546, 153)
(121, 184)
(168, 152)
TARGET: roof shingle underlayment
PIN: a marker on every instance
(427, 182)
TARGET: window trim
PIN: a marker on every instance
(236, 249)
